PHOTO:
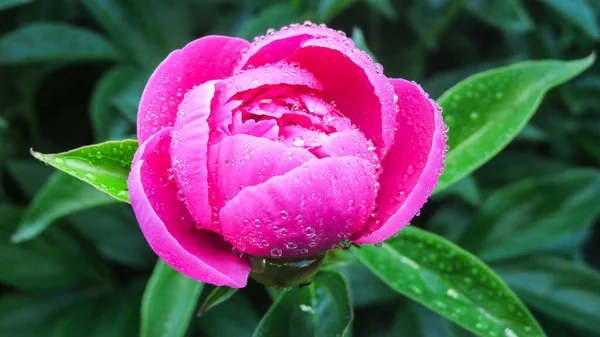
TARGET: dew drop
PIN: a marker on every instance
(298, 141)
(276, 252)
(284, 214)
(180, 195)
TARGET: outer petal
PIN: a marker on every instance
(208, 58)
(241, 161)
(168, 227)
(303, 212)
(355, 85)
(189, 151)
(413, 164)
(276, 46)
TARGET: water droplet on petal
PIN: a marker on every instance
(276, 252)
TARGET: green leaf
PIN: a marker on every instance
(320, 309)
(30, 175)
(565, 290)
(105, 166)
(414, 320)
(273, 16)
(60, 196)
(169, 302)
(218, 323)
(529, 214)
(487, 110)
(52, 261)
(466, 188)
(461, 217)
(122, 23)
(579, 13)
(361, 43)
(94, 314)
(508, 15)
(365, 288)
(115, 233)
(108, 124)
(329, 9)
(450, 281)
(505, 168)
(383, 7)
(128, 100)
(216, 297)
(430, 22)
(5, 4)
(45, 42)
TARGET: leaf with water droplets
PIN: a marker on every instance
(169, 302)
(321, 309)
(216, 297)
(487, 110)
(527, 215)
(105, 166)
(449, 280)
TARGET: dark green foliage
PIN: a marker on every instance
(72, 72)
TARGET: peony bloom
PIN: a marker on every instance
(283, 148)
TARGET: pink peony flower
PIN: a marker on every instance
(282, 148)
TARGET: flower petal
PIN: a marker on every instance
(168, 227)
(240, 161)
(207, 58)
(189, 150)
(303, 212)
(268, 75)
(355, 86)
(413, 164)
(276, 46)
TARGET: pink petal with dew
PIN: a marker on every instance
(413, 164)
(189, 150)
(240, 161)
(357, 88)
(350, 143)
(168, 226)
(303, 212)
(278, 45)
(267, 129)
(208, 58)
(268, 75)
(297, 136)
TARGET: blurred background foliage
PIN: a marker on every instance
(71, 74)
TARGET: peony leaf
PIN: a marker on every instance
(565, 290)
(529, 214)
(321, 309)
(169, 302)
(53, 261)
(487, 110)
(105, 166)
(578, 12)
(216, 297)
(509, 15)
(40, 42)
(107, 122)
(449, 280)
(61, 195)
